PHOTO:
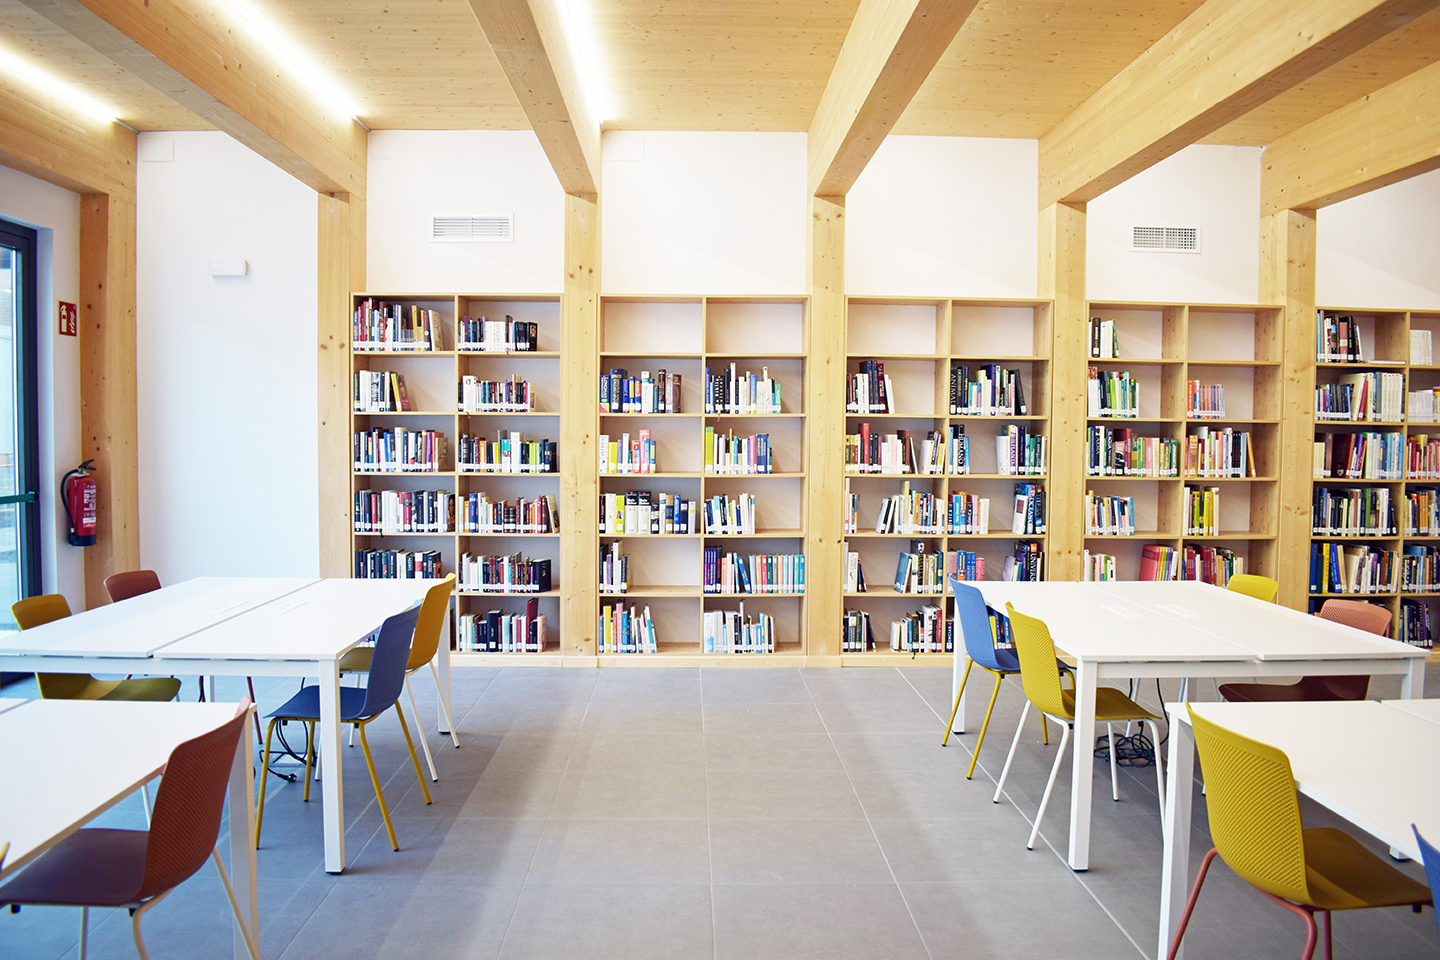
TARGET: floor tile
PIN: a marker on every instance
(814, 922)
(796, 851)
(623, 852)
(781, 794)
(562, 921)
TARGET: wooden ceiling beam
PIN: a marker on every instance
(889, 52)
(1222, 61)
(46, 139)
(216, 69)
(530, 43)
(1389, 136)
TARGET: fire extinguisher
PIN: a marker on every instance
(80, 495)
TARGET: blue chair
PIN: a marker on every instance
(358, 705)
(972, 617)
(1431, 858)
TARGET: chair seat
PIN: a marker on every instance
(95, 867)
(1343, 875)
(146, 689)
(1307, 689)
(1110, 704)
(357, 660)
(305, 705)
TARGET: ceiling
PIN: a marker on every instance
(1014, 70)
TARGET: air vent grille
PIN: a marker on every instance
(490, 228)
(1165, 239)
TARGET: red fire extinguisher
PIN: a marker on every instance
(80, 495)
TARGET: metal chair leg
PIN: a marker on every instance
(405, 729)
(375, 779)
(264, 777)
(424, 744)
(1005, 771)
(145, 800)
(444, 705)
(964, 679)
(975, 757)
(1049, 784)
(84, 931)
(235, 906)
(1190, 904)
(138, 914)
(309, 755)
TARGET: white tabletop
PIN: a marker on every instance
(1424, 709)
(139, 626)
(10, 703)
(66, 761)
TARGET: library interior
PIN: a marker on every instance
(665, 407)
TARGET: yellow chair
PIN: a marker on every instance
(1041, 679)
(34, 611)
(1255, 824)
(428, 630)
(1254, 585)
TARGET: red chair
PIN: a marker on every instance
(103, 867)
(1352, 613)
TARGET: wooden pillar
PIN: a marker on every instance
(338, 271)
(107, 384)
(1287, 277)
(825, 424)
(1062, 279)
(579, 421)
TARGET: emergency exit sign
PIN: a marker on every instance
(69, 319)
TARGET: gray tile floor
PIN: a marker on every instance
(726, 814)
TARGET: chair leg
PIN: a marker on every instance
(405, 728)
(84, 931)
(1049, 784)
(136, 916)
(145, 801)
(994, 694)
(375, 779)
(1312, 933)
(424, 744)
(309, 755)
(964, 679)
(264, 778)
(1114, 777)
(445, 705)
(1329, 947)
(1014, 742)
(235, 905)
(1190, 903)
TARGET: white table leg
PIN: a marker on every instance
(1081, 786)
(443, 680)
(1179, 797)
(957, 671)
(332, 784)
(1413, 686)
(242, 843)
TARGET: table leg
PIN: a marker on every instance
(332, 784)
(442, 681)
(242, 842)
(1082, 775)
(1413, 686)
(1179, 797)
(957, 673)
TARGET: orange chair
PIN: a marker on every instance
(1352, 613)
(131, 583)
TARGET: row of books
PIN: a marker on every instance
(495, 396)
(1028, 518)
(729, 391)
(1419, 569)
(1203, 562)
(1422, 457)
(1422, 405)
(404, 511)
(1355, 568)
(968, 514)
(377, 326)
(614, 569)
(1107, 516)
(1370, 396)
(625, 455)
(622, 393)
(1422, 512)
(1219, 453)
(1364, 456)
(870, 390)
(1098, 566)
(1337, 339)
(504, 573)
(731, 631)
(727, 454)
(856, 635)
(991, 391)
(397, 564)
(725, 571)
(1202, 511)
(499, 632)
(399, 450)
(922, 631)
(727, 515)
(483, 335)
(379, 391)
(1110, 393)
(1414, 624)
(1420, 348)
(480, 514)
(1104, 338)
(1118, 452)
(921, 570)
(625, 629)
(1019, 452)
(1353, 512)
(1204, 401)
(508, 453)
(643, 512)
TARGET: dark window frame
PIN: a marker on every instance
(27, 400)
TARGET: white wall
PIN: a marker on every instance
(1382, 249)
(1214, 188)
(226, 366)
(55, 213)
(414, 175)
(703, 213)
(944, 217)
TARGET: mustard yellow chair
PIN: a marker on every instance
(34, 611)
(428, 630)
(1255, 824)
(1041, 678)
(1254, 585)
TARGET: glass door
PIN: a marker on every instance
(19, 498)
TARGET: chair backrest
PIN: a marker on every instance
(1428, 854)
(387, 664)
(34, 611)
(1362, 616)
(1254, 814)
(973, 618)
(189, 806)
(1038, 672)
(131, 583)
(430, 624)
(1254, 585)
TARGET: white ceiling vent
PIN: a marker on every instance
(490, 228)
(1165, 239)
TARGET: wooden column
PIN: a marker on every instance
(336, 276)
(579, 388)
(1062, 279)
(1287, 276)
(107, 384)
(825, 422)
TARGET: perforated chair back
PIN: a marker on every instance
(189, 806)
(34, 611)
(387, 664)
(1431, 857)
(1254, 585)
(1254, 814)
(1038, 672)
(1362, 616)
(131, 583)
(432, 621)
(973, 618)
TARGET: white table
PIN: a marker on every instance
(301, 629)
(67, 761)
(1425, 709)
(1375, 764)
(1124, 630)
